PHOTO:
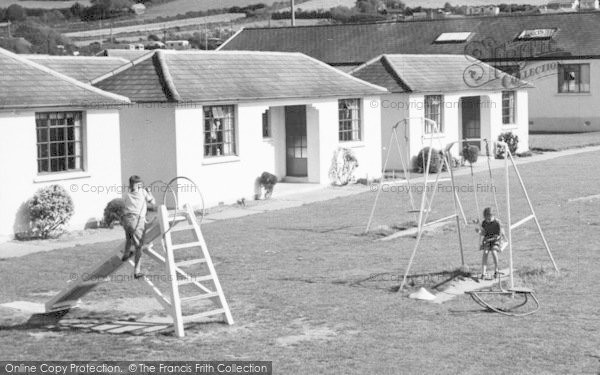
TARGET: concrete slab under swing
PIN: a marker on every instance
(460, 287)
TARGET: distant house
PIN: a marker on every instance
(55, 130)
(485, 10)
(557, 53)
(178, 44)
(434, 87)
(127, 54)
(224, 118)
(138, 9)
(82, 68)
(564, 5)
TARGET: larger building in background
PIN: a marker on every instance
(558, 53)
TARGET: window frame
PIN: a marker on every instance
(267, 131)
(428, 129)
(511, 117)
(208, 133)
(355, 128)
(78, 153)
(564, 68)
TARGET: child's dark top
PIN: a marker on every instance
(491, 229)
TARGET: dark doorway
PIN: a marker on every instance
(296, 146)
(471, 119)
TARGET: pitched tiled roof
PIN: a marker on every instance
(26, 84)
(81, 68)
(435, 73)
(126, 54)
(209, 76)
(577, 35)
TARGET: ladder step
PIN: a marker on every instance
(188, 245)
(188, 318)
(190, 262)
(200, 296)
(177, 218)
(181, 228)
(194, 280)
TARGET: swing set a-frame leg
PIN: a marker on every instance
(537, 223)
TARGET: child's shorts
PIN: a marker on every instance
(492, 245)
(134, 227)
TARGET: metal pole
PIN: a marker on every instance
(293, 14)
(456, 210)
(380, 186)
(537, 223)
(510, 247)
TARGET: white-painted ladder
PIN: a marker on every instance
(179, 271)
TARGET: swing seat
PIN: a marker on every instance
(424, 211)
(520, 289)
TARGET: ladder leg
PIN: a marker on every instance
(170, 268)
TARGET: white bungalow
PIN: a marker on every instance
(223, 118)
(463, 96)
(55, 130)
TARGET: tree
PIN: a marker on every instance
(369, 6)
(448, 7)
(394, 4)
(16, 13)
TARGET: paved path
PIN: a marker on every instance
(286, 199)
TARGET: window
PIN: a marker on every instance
(349, 119)
(573, 78)
(219, 131)
(456, 37)
(59, 141)
(433, 111)
(508, 107)
(536, 34)
(266, 124)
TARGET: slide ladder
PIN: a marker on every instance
(180, 260)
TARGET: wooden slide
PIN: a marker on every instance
(87, 281)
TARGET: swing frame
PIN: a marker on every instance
(512, 290)
(422, 212)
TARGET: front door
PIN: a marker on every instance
(471, 119)
(296, 149)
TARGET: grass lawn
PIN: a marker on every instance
(302, 295)
(563, 141)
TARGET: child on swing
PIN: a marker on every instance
(134, 221)
(492, 233)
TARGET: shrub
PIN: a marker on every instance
(50, 210)
(436, 160)
(342, 167)
(470, 153)
(113, 212)
(511, 140)
(267, 181)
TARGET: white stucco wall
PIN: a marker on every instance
(148, 144)
(551, 111)
(90, 189)
(395, 107)
(172, 145)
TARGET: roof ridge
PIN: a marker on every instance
(165, 76)
(62, 57)
(63, 77)
(128, 64)
(387, 64)
(338, 71)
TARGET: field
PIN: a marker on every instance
(58, 4)
(176, 7)
(158, 26)
(312, 294)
